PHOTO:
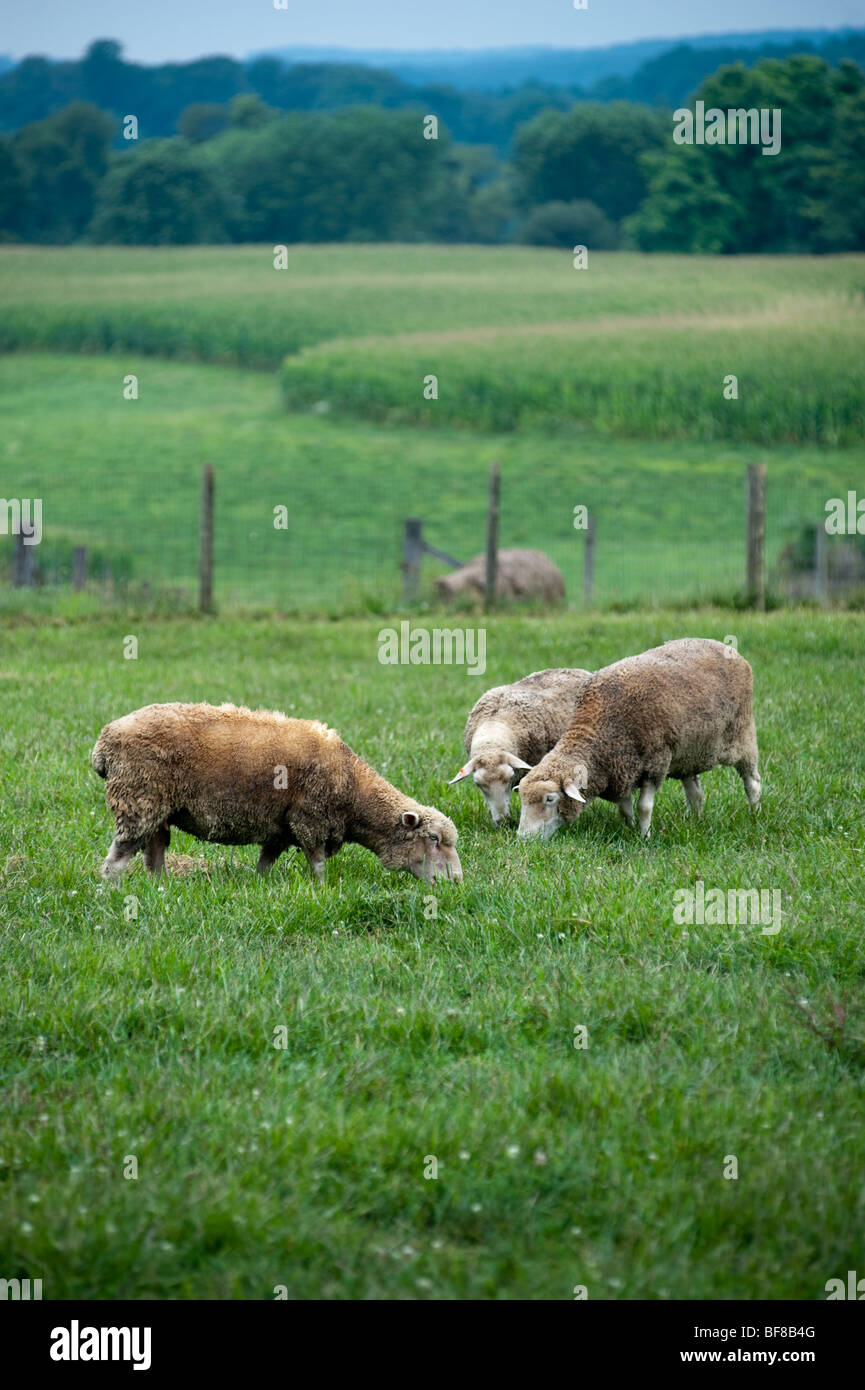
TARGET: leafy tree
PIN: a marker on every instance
(491, 211)
(686, 209)
(62, 162)
(735, 198)
(249, 112)
(358, 175)
(578, 223)
(201, 121)
(103, 76)
(12, 192)
(162, 194)
(468, 200)
(836, 208)
(590, 152)
(34, 89)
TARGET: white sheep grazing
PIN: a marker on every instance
(511, 728)
(237, 776)
(674, 711)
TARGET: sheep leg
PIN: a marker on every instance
(694, 794)
(316, 859)
(747, 770)
(644, 807)
(626, 810)
(746, 766)
(119, 855)
(270, 852)
(154, 850)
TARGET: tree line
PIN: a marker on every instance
(605, 174)
(38, 87)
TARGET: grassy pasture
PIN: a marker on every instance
(410, 1036)
(122, 477)
(228, 304)
(634, 346)
(140, 1022)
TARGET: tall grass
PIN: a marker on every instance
(228, 304)
(797, 381)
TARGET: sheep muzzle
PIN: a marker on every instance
(435, 861)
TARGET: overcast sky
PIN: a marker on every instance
(158, 30)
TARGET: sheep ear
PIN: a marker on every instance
(410, 819)
(573, 791)
(517, 762)
(463, 773)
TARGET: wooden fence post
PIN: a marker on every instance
(412, 550)
(755, 540)
(492, 537)
(821, 564)
(205, 542)
(79, 567)
(589, 560)
(23, 563)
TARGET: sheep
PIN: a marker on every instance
(520, 574)
(237, 776)
(675, 711)
(511, 728)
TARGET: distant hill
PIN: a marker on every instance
(496, 68)
(490, 69)
(672, 77)
(482, 98)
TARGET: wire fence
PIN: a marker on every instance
(318, 544)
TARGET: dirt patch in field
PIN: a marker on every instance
(181, 864)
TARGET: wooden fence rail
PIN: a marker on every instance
(414, 547)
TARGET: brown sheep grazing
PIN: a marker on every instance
(520, 574)
(674, 711)
(511, 728)
(236, 776)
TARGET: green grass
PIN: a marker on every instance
(409, 1036)
(800, 380)
(140, 1022)
(228, 304)
(634, 346)
(123, 478)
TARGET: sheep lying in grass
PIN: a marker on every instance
(237, 777)
(674, 711)
(511, 728)
(520, 575)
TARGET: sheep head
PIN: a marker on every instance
(495, 775)
(550, 798)
(423, 841)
